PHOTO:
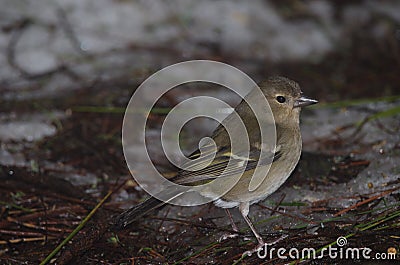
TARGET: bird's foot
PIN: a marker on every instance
(226, 236)
(279, 239)
(262, 245)
(250, 252)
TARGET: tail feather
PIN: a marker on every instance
(136, 212)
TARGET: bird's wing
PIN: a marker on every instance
(220, 165)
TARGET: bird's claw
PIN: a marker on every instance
(251, 251)
(261, 245)
(227, 236)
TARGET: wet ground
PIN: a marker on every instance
(67, 75)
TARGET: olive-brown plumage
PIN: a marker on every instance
(285, 100)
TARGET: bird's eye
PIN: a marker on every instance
(280, 99)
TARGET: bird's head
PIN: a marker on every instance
(285, 98)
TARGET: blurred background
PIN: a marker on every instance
(335, 49)
(68, 69)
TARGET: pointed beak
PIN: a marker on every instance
(304, 101)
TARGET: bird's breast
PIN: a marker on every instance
(275, 174)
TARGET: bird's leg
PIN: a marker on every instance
(234, 228)
(244, 210)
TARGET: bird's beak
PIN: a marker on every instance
(304, 101)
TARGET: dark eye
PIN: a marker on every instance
(280, 99)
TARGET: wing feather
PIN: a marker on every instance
(220, 166)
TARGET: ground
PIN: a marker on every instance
(68, 74)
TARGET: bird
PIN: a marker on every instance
(285, 99)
